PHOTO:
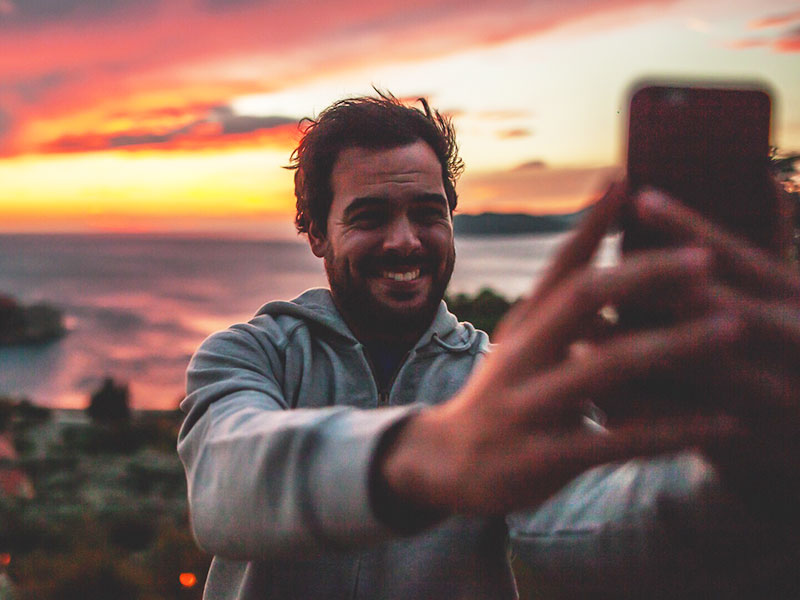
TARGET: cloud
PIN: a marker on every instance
(34, 88)
(775, 20)
(32, 13)
(535, 188)
(789, 42)
(746, 43)
(784, 37)
(531, 164)
(210, 131)
(5, 125)
(83, 59)
(232, 123)
(517, 132)
(504, 115)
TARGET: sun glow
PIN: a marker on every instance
(112, 186)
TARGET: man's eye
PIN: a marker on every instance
(367, 219)
(430, 213)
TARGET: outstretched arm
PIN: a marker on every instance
(515, 434)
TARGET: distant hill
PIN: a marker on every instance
(514, 223)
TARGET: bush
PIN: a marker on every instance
(484, 310)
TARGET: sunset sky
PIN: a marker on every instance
(178, 115)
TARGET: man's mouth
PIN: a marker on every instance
(409, 275)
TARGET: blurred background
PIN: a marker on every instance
(144, 204)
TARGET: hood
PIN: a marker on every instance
(317, 309)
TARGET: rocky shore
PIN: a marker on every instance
(33, 324)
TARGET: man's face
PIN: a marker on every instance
(389, 249)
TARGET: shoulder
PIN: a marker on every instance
(457, 336)
(276, 323)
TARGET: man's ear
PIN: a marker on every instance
(317, 240)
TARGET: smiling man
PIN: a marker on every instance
(388, 242)
(359, 442)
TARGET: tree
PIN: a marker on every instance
(109, 403)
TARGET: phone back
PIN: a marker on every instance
(709, 148)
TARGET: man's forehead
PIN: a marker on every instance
(411, 157)
(366, 171)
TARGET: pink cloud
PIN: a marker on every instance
(157, 55)
(775, 20)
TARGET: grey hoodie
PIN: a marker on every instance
(278, 443)
(283, 421)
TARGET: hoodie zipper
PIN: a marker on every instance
(384, 393)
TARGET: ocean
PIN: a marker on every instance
(137, 306)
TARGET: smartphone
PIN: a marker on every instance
(708, 147)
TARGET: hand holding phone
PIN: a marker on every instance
(707, 147)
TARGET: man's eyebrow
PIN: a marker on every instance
(362, 202)
(431, 197)
(365, 202)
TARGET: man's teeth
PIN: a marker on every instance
(402, 276)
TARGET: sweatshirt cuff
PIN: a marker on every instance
(341, 499)
(399, 515)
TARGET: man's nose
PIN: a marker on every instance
(402, 236)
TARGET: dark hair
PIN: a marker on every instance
(379, 122)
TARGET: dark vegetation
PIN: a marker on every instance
(484, 309)
(103, 514)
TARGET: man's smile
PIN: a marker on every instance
(409, 275)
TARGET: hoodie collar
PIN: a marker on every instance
(316, 306)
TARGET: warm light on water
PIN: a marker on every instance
(138, 306)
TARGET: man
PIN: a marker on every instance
(360, 443)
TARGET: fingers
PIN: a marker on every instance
(575, 254)
(777, 322)
(566, 313)
(753, 265)
(586, 239)
(631, 357)
(656, 436)
(580, 248)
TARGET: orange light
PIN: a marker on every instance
(5, 559)
(187, 579)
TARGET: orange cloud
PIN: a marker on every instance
(68, 69)
(534, 188)
(514, 133)
(787, 40)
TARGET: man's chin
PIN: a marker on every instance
(394, 318)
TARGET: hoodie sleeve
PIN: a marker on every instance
(265, 481)
(658, 528)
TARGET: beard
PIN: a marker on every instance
(373, 318)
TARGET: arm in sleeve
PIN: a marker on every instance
(265, 481)
(659, 528)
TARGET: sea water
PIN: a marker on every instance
(137, 306)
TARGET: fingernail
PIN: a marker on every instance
(650, 199)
